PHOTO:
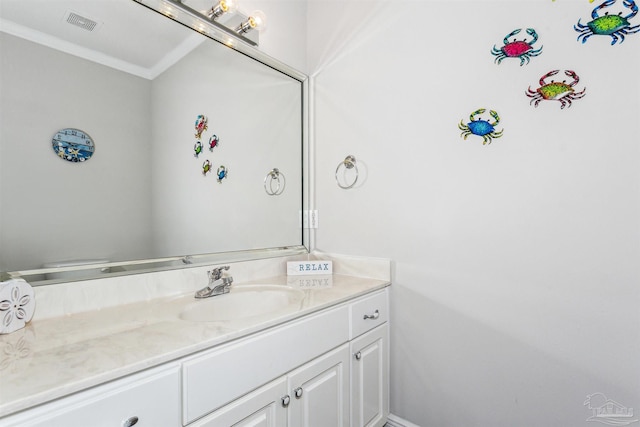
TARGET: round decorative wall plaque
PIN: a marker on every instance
(73, 145)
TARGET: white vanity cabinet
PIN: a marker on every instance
(346, 386)
(370, 361)
(147, 399)
(328, 368)
(216, 377)
(264, 407)
(370, 378)
(316, 394)
(320, 391)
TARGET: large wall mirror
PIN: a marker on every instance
(145, 200)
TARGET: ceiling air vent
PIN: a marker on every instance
(81, 21)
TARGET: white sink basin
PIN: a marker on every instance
(243, 302)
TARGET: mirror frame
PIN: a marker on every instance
(182, 14)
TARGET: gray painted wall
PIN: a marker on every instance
(41, 89)
(515, 291)
(256, 113)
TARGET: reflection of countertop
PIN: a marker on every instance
(55, 357)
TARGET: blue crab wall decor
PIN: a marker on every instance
(522, 49)
(481, 127)
(616, 26)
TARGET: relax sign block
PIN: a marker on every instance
(304, 268)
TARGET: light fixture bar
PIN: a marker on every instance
(194, 16)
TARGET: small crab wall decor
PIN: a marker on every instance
(481, 127)
(616, 26)
(522, 49)
(206, 167)
(197, 149)
(556, 91)
(222, 173)
(201, 125)
(213, 142)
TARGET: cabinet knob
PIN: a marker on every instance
(358, 356)
(130, 422)
(373, 316)
(286, 400)
(298, 392)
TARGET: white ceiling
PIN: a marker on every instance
(128, 36)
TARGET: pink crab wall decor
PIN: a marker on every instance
(562, 92)
(521, 49)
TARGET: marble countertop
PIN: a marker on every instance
(51, 358)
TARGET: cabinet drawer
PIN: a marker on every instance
(218, 376)
(153, 397)
(369, 312)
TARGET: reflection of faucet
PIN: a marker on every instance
(218, 285)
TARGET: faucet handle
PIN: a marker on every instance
(216, 273)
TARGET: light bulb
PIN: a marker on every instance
(257, 21)
(223, 6)
(230, 5)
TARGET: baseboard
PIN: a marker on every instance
(394, 421)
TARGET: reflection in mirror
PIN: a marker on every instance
(151, 196)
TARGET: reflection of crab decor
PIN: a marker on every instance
(522, 49)
(197, 148)
(206, 167)
(213, 142)
(556, 91)
(222, 173)
(616, 26)
(201, 125)
(481, 127)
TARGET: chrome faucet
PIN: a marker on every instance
(218, 285)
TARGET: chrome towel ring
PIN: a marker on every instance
(349, 162)
(273, 177)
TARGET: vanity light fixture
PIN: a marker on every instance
(218, 23)
(256, 21)
(223, 6)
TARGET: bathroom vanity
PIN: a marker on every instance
(129, 345)
(318, 357)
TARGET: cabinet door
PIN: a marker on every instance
(320, 391)
(370, 378)
(265, 407)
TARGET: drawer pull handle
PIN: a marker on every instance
(358, 355)
(130, 422)
(286, 400)
(373, 316)
(298, 392)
